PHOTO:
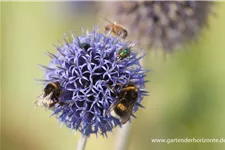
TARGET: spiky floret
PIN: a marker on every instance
(166, 25)
(90, 74)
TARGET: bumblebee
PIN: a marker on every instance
(117, 29)
(123, 107)
(50, 95)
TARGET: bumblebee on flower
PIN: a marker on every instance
(93, 70)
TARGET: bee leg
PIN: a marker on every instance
(121, 35)
(109, 31)
(133, 115)
(64, 102)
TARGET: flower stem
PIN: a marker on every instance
(122, 137)
(82, 142)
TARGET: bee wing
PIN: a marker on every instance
(126, 117)
(43, 101)
(39, 101)
(117, 101)
(113, 105)
(106, 19)
(48, 101)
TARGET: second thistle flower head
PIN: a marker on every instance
(90, 75)
(166, 25)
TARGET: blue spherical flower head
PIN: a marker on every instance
(92, 70)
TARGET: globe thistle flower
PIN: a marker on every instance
(89, 71)
(164, 25)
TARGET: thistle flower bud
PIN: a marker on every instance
(91, 73)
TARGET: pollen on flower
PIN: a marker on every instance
(91, 75)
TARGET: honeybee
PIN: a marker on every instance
(50, 95)
(123, 107)
(117, 29)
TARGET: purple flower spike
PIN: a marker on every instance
(91, 74)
